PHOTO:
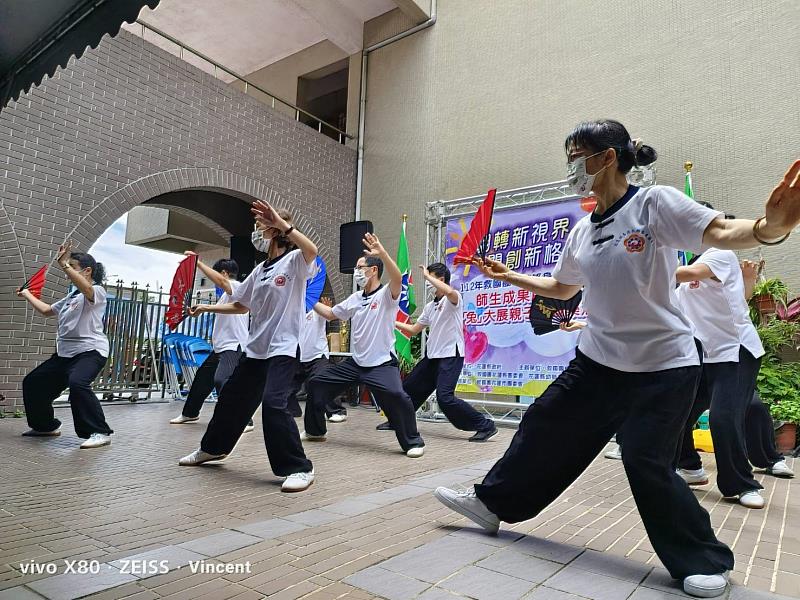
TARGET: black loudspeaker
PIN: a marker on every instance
(243, 252)
(351, 247)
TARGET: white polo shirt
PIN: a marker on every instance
(372, 318)
(80, 323)
(313, 342)
(446, 328)
(230, 331)
(718, 309)
(626, 261)
(275, 294)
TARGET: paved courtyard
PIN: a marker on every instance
(141, 527)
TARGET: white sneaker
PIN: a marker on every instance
(615, 453)
(249, 427)
(96, 440)
(181, 419)
(337, 418)
(781, 469)
(198, 457)
(706, 586)
(33, 433)
(469, 505)
(752, 499)
(307, 437)
(416, 452)
(297, 482)
(694, 477)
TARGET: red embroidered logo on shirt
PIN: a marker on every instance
(373, 306)
(280, 280)
(635, 242)
(694, 285)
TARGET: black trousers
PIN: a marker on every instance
(306, 371)
(727, 389)
(760, 435)
(577, 414)
(442, 375)
(212, 375)
(383, 380)
(43, 385)
(254, 382)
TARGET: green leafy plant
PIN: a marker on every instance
(779, 387)
(777, 335)
(774, 288)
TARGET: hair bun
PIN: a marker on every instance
(644, 154)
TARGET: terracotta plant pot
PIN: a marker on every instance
(786, 437)
(766, 305)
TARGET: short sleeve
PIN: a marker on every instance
(346, 309)
(722, 263)
(58, 304)
(425, 317)
(243, 292)
(567, 270)
(100, 295)
(302, 268)
(392, 304)
(679, 222)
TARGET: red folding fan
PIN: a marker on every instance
(36, 282)
(476, 242)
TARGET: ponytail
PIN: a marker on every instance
(87, 260)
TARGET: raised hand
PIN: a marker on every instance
(189, 253)
(266, 216)
(373, 246)
(750, 269)
(64, 253)
(783, 205)
(326, 301)
(425, 273)
(492, 268)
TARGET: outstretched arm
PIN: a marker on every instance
(409, 329)
(548, 287)
(325, 312)
(750, 272)
(234, 308)
(782, 215)
(696, 272)
(218, 279)
(43, 308)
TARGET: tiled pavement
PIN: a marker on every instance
(368, 528)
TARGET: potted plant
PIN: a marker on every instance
(779, 387)
(768, 294)
(779, 379)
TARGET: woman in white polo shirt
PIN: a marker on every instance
(713, 295)
(274, 293)
(227, 339)
(81, 353)
(637, 366)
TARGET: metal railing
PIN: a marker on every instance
(134, 324)
(271, 99)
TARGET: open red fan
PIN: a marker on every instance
(36, 282)
(476, 242)
(548, 313)
(180, 292)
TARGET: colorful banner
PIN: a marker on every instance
(503, 356)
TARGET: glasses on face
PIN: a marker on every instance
(576, 154)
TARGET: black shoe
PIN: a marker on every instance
(482, 436)
(385, 426)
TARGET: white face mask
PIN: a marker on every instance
(360, 279)
(578, 180)
(259, 241)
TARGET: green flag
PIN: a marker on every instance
(407, 305)
(689, 191)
